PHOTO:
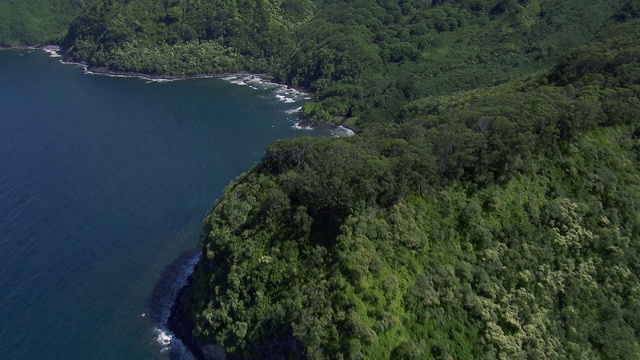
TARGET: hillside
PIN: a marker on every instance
(488, 207)
(363, 59)
(36, 22)
(500, 222)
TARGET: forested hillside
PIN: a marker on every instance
(36, 22)
(501, 222)
(363, 59)
(488, 208)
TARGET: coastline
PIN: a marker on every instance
(307, 123)
(20, 47)
(160, 77)
(173, 324)
(173, 281)
(180, 324)
(284, 92)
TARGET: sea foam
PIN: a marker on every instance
(282, 93)
(52, 50)
(297, 126)
(294, 110)
(341, 131)
(163, 336)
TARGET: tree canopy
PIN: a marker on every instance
(36, 22)
(500, 222)
(362, 59)
(487, 208)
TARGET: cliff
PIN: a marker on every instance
(486, 209)
(499, 222)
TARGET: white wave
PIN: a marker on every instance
(297, 126)
(252, 81)
(89, 72)
(280, 92)
(288, 95)
(285, 99)
(259, 82)
(238, 82)
(52, 50)
(157, 80)
(294, 110)
(146, 79)
(164, 337)
(228, 77)
(340, 131)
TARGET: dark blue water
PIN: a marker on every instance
(104, 182)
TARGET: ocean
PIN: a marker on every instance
(104, 183)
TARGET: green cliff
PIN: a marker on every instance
(488, 208)
(495, 223)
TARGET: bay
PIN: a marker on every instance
(104, 183)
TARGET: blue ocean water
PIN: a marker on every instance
(104, 183)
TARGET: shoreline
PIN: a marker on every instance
(286, 93)
(308, 124)
(20, 47)
(171, 323)
(238, 78)
(173, 280)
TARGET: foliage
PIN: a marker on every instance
(363, 59)
(487, 209)
(124, 35)
(500, 222)
(35, 22)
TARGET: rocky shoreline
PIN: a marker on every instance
(305, 122)
(160, 77)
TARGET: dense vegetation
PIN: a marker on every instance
(36, 22)
(501, 222)
(362, 58)
(488, 208)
